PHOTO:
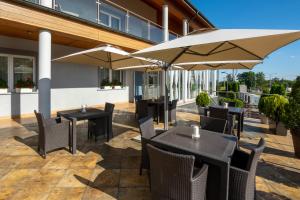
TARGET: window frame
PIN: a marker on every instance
(109, 19)
(10, 71)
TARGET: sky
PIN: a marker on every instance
(260, 14)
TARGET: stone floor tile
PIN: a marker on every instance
(102, 193)
(66, 193)
(59, 162)
(135, 193)
(132, 178)
(105, 178)
(76, 178)
(131, 162)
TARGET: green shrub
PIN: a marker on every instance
(261, 104)
(235, 87)
(28, 83)
(274, 107)
(292, 109)
(278, 89)
(116, 83)
(231, 95)
(3, 83)
(202, 99)
(238, 103)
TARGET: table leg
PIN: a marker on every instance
(74, 136)
(157, 113)
(239, 126)
(242, 121)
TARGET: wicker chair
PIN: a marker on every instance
(171, 112)
(136, 99)
(213, 124)
(242, 173)
(222, 113)
(144, 110)
(53, 134)
(231, 104)
(99, 126)
(173, 176)
(147, 132)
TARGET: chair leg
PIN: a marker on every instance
(141, 170)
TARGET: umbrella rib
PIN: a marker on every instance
(177, 56)
(245, 66)
(260, 58)
(93, 57)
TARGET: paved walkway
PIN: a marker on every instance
(103, 170)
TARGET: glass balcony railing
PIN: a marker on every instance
(112, 16)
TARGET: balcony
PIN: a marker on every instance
(111, 16)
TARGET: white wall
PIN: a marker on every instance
(72, 85)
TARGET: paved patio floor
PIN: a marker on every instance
(103, 170)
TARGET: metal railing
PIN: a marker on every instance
(113, 16)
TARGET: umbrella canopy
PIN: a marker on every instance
(216, 65)
(149, 68)
(221, 45)
(105, 56)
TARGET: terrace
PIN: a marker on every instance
(110, 170)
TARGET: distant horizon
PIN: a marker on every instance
(256, 14)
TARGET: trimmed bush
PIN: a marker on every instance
(231, 95)
(274, 107)
(278, 89)
(202, 99)
(238, 103)
(3, 83)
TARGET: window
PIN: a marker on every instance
(110, 20)
(17, 69)
(116, 76)
(3, 70)
(103, 75)
(111, 17)
(23, 68)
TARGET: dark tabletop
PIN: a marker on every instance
(210, 144)
(90, 113)
(235, 110)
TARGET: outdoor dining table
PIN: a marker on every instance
(239, 112)
(212, 148)
(77, 115)
(158, 104)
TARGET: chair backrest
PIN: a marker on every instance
(173, 104)
(213, 124)
(231, 104)
(254, 156)
(109, 107)
(142, 108)
(220, 113)
(41, 123)
(138, 98)
(171, 174)
(147, 128)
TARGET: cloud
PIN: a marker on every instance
(292, 56)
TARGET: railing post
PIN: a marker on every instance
(127, 22)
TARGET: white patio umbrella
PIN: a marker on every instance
(105, 56)
(219, 45)
(216, 65)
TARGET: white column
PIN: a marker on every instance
(214, 81)
(206, 81)
(185, 26)
(165, 24)
(44, 61)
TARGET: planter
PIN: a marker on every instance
(118, 87)
(281, 130)
(201, 110)
(264, 119)
(3, 90)
(296, 141)
(107, 87)
(24, 90)
(272, 125)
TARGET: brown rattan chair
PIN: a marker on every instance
(171, 112)
(147, 133)
(213, 124)
(242, 173)
(53, 134)
(222, 113)
(173, 176)
(99, 126)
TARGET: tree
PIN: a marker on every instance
(260, 80)
(278, 88)
(247, 78)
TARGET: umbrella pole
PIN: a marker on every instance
(166, 102)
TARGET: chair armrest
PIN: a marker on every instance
(51, 122)
(58, 128)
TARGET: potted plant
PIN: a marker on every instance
(116, 84)
(24, 86)
(262, 110)
(292, 116)
(202, 101)
(105, 84)
(238, 103)
(3, 86)
(275, 110)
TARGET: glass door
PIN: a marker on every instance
(151, 85)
